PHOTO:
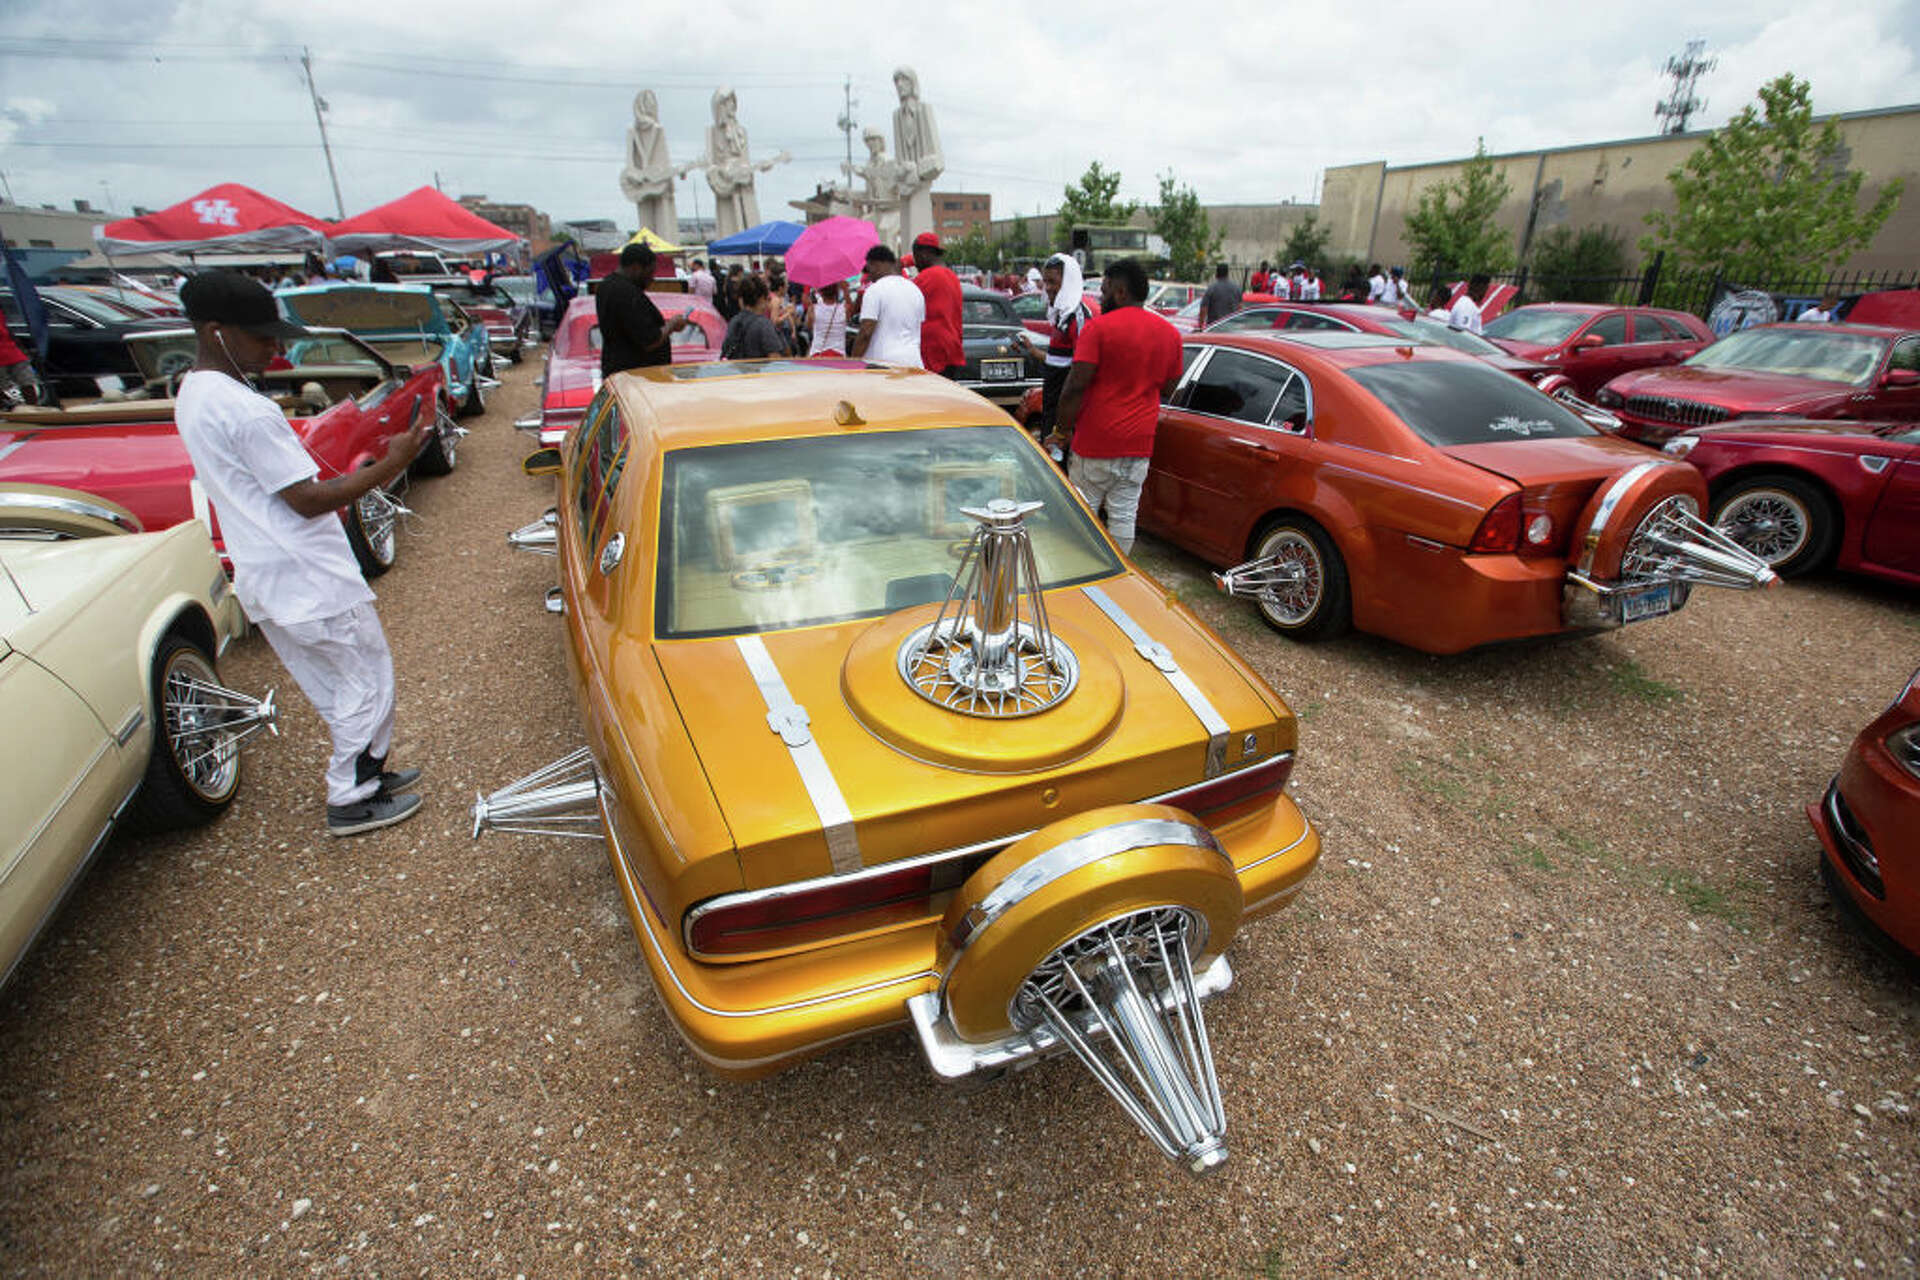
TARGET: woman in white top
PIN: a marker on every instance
(827, 317)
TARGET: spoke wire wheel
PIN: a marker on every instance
(1772, 523)
(1293, 600)
(209, 763)
(374, 514)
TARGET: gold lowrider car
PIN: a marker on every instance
(883, 731)
(108, 638)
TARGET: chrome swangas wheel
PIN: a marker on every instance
(194, 768)
(1297, 580)
(372, 531)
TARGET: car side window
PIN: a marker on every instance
(1293, 410)
(1906, 355)
(1030, 306)
(603, 455)
(1671, 330)
(1612, 329)
(1317, 323)
(1240, 386)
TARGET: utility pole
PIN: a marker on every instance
(847, 124)
(1685, 71)
(319, 118)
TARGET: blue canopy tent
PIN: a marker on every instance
(768, 237)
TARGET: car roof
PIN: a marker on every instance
(1344, 350)
(733, 401)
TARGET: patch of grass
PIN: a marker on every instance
(1701, 897)
(1587, 847)
(1630, 680)
(1272, 1264)
(1435, 778)
(1530, 854)
(1306, 711)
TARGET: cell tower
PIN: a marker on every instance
(1685, 71)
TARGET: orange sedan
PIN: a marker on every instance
(1419, 494)
(1871, 858)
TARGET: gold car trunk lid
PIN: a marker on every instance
(949, 726)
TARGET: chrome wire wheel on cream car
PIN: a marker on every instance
(1296, 579)
(199, 724)
(1781, 519)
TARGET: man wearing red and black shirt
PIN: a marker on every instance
(18, 383)
(941, 349)
(1126, 360)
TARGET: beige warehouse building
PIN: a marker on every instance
(1613, 184)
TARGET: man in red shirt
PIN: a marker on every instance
(18, 383)
(941, 349)
(1127, 358)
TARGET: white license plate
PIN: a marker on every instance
(1647, 602)
(1000, 370)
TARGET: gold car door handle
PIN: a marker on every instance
(1255, 445)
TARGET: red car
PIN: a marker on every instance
(573, 358)
(1803, 495)
(1775, 371)
(1592, 343)
(1870, 855)
(1360, 317)
(1418, 494)
(344, 399)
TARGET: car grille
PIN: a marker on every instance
(1855, 848)
(1685, 413)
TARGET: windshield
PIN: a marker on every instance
(785, 533)
(1443, 335)
(1454, 402)
(519, 288)
(1531, 324)
(95, 307)
(986, 311)
(1801, 353)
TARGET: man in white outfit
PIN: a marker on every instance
(892, 309)
(292, 567)
(1465, 314)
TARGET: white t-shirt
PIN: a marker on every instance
(1378, 290)
(1814, 315)
(287, 568)
(1465, 314)
(1307, 288)
(700, 284)
(829, 328)
(898, 309)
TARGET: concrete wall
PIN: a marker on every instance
(1614, 184)
(31, 227)
(1254, 231)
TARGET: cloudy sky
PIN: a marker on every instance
(1247, 100)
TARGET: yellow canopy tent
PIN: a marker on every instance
(648, 237)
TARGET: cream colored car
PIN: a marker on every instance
(112, 707)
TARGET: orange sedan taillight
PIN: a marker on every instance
(1500, 530)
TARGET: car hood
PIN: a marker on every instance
(1518, 366)
(1737, 389)
(919, 779)
(368, 309)
(1525, 350)
(1824, 433)
(51, 574)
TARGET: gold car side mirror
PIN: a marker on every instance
(542, 462)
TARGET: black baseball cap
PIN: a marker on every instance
(228, 297)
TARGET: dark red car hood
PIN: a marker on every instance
(1739, 390)
(1844, 436)
(1525, 350)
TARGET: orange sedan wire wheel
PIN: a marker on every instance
(1041, 893)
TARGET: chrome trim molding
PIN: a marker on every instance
(1070, 856)
(130, 726)
(789, 720)
(1162, 659)
(75, 506)
(1615, 492)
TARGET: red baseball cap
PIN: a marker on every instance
(929, 240)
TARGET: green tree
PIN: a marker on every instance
(1192, 243)
(1018, 241)
(974, 249)
(1768, 194)
(1307, 242)
(1452, 225)
(1095, 200)
(1577, 266)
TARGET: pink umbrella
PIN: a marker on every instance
(830, 250)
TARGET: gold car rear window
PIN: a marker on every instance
(773, 534)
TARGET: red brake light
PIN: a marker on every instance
(1263, 779)
(1500, 530)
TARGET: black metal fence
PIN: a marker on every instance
(1699, 291)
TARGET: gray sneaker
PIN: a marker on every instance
(374, 812)
(393, 782)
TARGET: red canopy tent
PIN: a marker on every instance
(422, 219)
(227, 217)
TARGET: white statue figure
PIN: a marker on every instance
(916, 146)
(648, 177)
(885, 177)
(729, 171)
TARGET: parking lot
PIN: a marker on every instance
(1565, 998)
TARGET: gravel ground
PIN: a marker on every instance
(1566, 998)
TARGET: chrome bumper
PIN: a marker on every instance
(527, 422)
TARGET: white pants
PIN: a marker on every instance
(1114, 483)
(344, 667)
